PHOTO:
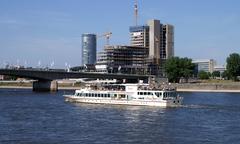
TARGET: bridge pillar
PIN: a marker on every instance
(44, 85)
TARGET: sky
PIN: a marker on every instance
(40, 33)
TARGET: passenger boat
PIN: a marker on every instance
(127, 94)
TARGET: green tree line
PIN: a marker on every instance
(177, 68)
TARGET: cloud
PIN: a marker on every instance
(12, 21)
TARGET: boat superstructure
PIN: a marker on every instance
(127, 94)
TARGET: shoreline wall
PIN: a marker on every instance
(209, 86)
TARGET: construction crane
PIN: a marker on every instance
(107, 36)
(136, 12)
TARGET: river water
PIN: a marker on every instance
(44, 118)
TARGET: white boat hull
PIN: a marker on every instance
(159, 103)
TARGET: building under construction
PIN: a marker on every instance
(123, 59)
(159, 39)
(150, 46)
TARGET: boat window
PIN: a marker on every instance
(98, 95)
(122, 96)
(101, 95)
(108, 95)
(138, 93)
(145, 93)
(141, 93)
(87, 94)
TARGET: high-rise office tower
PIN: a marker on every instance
(89, 44)
(154, 40)
(167, 41)
(159, 38)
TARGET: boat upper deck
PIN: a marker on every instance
(128, 87)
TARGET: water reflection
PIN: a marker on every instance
(28, 117)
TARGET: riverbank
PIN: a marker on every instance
(29, 84)
(178, 89)
(30, 87)
(183, 87)
(208, 87)
(205, 90)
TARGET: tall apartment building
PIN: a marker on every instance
(89, 45)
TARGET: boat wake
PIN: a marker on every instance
(194, 106)
(219, 107)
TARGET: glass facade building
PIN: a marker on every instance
(139, 36)
(206, 65)
(89, 46)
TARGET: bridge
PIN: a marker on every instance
(46, 79)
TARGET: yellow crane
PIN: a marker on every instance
(107, 35)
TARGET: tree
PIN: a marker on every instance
(172, 69)
(216, 74)
(177, 68)
(203, 75)
(233, 66)
(225, 75)
(209, 74)
(186, 67)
